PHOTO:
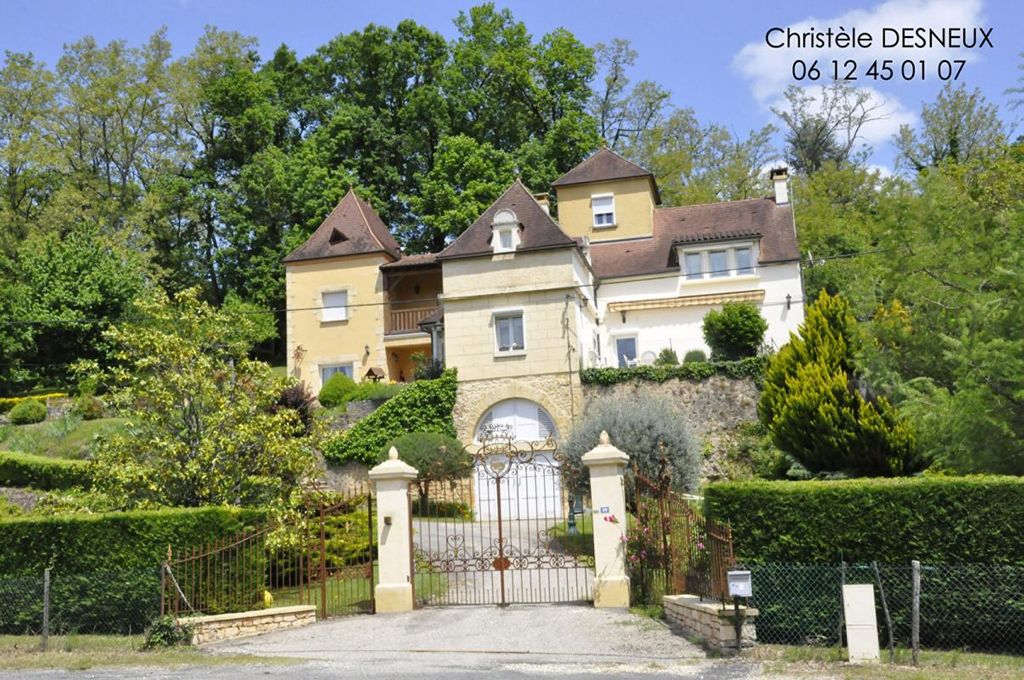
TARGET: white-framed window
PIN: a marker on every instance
(508, 332)
(723, 261)
(744, 262)
(335, 306)
(327, 371)
(505, 232)
(693, 266)
(603, 206)
(625, 351)
(718, 261)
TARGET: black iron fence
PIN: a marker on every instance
(978, 607)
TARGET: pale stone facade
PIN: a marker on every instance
(558, 393)
(712, 623)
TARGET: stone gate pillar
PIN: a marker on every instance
(607, 466)
(394, 591)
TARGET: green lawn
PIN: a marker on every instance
(280, 371)
(67, 437)
(794, 661)
(579, 543)
(80, 652)
(350, 592)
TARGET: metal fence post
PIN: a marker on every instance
(46, 609)
(915, 612)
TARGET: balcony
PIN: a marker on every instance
(406, 319)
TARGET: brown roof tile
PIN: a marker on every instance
(754, 218)
(605, 165)
(421, 260)
(352, 228)
(538, 230)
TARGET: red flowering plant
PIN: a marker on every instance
(645, 561)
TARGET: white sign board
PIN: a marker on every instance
(861, 622)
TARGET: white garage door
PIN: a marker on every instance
(530, 490)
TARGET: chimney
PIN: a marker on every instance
(780, 178)
(544, 203)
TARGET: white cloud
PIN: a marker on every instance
(770, 70)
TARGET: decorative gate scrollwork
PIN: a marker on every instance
(503, 532)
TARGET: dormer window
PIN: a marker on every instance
(505, 232)
(603, 206)
(719, 261)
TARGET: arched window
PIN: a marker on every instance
(525, 420)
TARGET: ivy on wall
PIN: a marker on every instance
(752, 367)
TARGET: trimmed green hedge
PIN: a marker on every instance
(423, 406)
(751, 367)
(105, 573)
(7, 403)
(43, 473)
(952, 520)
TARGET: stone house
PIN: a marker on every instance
(520, 303)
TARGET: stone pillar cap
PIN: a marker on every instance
(604, 453)
(393, 468)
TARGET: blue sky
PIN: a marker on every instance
(710, 55)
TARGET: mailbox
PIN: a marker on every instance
(740, 584)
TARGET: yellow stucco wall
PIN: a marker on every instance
(335, 342)
(634, 209)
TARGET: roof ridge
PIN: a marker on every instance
(695, 205)
(366, 222)
(620, 156)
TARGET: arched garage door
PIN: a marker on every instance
(531, 490)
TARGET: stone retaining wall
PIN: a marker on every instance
(206, 629)
(709, 622)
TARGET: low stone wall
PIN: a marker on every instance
(712, 624)
(215, 628)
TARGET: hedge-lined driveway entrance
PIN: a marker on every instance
(503, 534)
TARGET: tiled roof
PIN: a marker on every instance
(602, 165)
(352, 228)
(537, 230)
(758, 218)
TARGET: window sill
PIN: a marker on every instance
(510, 353)
(332, 322)
(715, 279)
(606, 226)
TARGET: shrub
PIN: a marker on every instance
(813, 404)
(42, 473)
(695, 355)
(752, 367)
(667, 357)
(7, 403)
(735, 331)
(426, 367)
(938, 519)
(166, 631)
(27, 412)
(646, 428)
(87, 407)
(437, 457)
(297, 398)
(423, 406)
(335, 390)
(375, 391)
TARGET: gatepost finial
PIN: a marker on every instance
(393, 453)
(603, 439)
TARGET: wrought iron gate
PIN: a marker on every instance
(501, 531)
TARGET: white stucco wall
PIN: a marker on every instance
(681, 328)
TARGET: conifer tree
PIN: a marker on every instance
(818, 411)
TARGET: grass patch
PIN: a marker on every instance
(81, 652)
(349, 590)
(579, 543)
(67, 437)
(934, 665)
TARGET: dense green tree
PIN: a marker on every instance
(818, 409)
(203, 427)
(959, 126)
(624, 114)
(735, 331)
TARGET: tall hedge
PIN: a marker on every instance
(424, 406)
(104, 568)
(42, 472)
(951, 520)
